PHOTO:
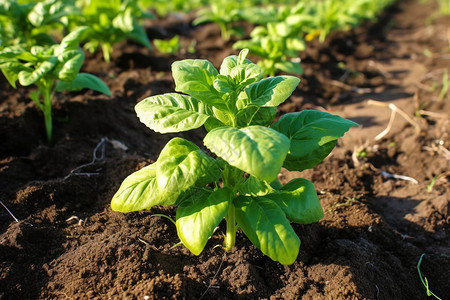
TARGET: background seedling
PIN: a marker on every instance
(52, 69)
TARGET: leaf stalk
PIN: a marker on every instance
(230, 236)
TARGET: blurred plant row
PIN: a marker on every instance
(40, 41)
(281, 26)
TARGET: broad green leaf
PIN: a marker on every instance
(40, 52)
(313, 135)
(252, 186)
(264, 116)
(70, 64)
(267, 227)
(17, 52)
(222, 84)
(289, 67)
(243, 75)
(256, 115)
(276, 184)
(296, 44)
(279, 29)
(199, 215)
(257, 150)
(71, 41)
(298, 199)
(222, 116)
(241, 70)
(182, 165)
(124, 21)
(272, 91)
(196, 77)
(254, 46)
(27, 78)
(83, 81)
(212, 123)
(140, 191)
(230, 62)
(11, 70)
(172, 112)
(139, 35)
(49, 11)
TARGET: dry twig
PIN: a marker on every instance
(10, 213)
(394, 110)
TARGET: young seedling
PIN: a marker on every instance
(171, 46)
(424, 280)
(276, 46)
(52, 69)
(110, 22)
(224, 13)
(237, 107)
(29, 24)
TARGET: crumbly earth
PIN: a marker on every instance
(68, 243)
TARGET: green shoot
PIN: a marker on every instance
(424, 279)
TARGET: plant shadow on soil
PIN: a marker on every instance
(68, 242)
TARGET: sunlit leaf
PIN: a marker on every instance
(199, 215)
(267, 227)
(313, 135)
(172, 112)
(257, 150)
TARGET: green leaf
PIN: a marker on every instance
(223, 116)
(49, 11)
(289, 67)
(212, 123)
(252, 186)
(11, 71)
(70, 64)
(17, 52)
(199, 215)
(71, 41)
(230, 62)
(257, 150)
(272, 91)
(256, 115)
(124, 21)
(29, 77)
(264, 116)
(196, 77)
(296, 44)
(240, 69)
(298, 199)
(83, 81)
(313, 135)
(140, 191)
(173, 112)
(182, 165)
(139, 35)
(267, 227)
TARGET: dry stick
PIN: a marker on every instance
(10, 213)
(433, 114)
(394, 110)
(94, 160)
(347, 87)
(214, 277)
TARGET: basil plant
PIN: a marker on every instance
(52, 69)
(237, 108)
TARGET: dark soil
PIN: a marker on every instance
(68, 243)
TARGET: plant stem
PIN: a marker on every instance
(230, 236)
(47, 110)
(224, 31)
